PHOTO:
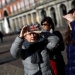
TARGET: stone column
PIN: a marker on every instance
(27, 19)
(23, 21)
(11, 24)
(19, 22)
(58, 16)
(68, 5)
(16, 24)
(48, 12)
(38, 13)
(37, 17)
(32, 18)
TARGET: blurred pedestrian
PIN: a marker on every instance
(56, 58)
(1, 36)
(31, 45)
(70, 42)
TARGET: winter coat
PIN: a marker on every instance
(29, 68)
(56, 56)
(70, 67)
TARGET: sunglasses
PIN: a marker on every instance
(44, 24)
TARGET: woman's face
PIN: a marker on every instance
(31, 37)
(45, 26)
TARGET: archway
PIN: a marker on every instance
(43, 13)
(6, 15)
(6, 22)
(53, 15)
(73, 4)
(63, 11)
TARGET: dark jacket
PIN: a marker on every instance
(56, 55)
(70, 67)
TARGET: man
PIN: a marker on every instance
(31, 45)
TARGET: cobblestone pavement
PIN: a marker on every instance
(9, 65)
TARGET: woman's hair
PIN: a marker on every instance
(49, 21)
(68, 34)
(71, 11)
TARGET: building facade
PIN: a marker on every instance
(14, 14)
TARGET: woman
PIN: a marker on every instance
(70, 42)
(56, 58)
(32, 48)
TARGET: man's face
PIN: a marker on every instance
(45, 26)
(31, 37)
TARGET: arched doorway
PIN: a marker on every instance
(6, 15)
(63, 11)
(43, 13)
(6, 22)
(53, 15)
(73, 4)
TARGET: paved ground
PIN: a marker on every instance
(9, 65)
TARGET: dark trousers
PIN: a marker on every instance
(1, 39)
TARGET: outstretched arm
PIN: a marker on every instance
(71, 20)
(52, 39)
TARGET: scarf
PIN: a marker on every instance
(35, 49)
